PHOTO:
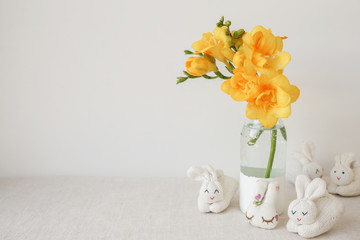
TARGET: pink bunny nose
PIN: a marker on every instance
(338, 178)
(299, 219)
(321, 176)
(212, 198)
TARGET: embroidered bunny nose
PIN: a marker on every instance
(321, 176)
(338, 178)
(212, 198)
(299, 219)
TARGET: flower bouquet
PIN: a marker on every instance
(255, 62)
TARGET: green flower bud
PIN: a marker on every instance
(221, 22)
(238, 34)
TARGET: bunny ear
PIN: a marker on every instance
(272, 192)
(198, 173)
(212, 172)
(219, 173)
(347, 159)
(300, 157)
(337, 159)
(260, 189)
(356, 164)
(309, 150)
(316, 189)
(301, 183)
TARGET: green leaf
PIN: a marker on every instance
(254, 139)
(181, 79)
(187, 52)
(283, 133)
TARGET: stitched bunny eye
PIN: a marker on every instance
(317, 170)
(216, 191)
(293, 212)
(207, 191)
(343, 172)
(304, 213)
(334, 171)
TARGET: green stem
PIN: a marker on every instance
(229, 70)
(232, 66)
(220, 75)
(272, 153)
(209, 77)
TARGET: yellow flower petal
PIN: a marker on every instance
(281, 81)
(226, 87)
(198, 66)
(280, 61)
(237, 95)
(228, 53)
(200, 45)
(282, 97)
(259, 59)
(294, 93)
(269, 121)
(220, 34)
(247, 39)
(279, 43)
(281, 112)
(249, 68)
(258, 28)
(254, 112)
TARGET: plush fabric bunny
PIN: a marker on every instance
(262, 211)
(315, 211)
(345, 176)
(217, 189)
(304, 163)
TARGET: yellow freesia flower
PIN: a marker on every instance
(272, 100)
(264, 50)
(217, 45)
(242, 85)
(198, 66)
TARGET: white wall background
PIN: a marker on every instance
(88, 87)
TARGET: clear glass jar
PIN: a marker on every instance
(258, 145)
(262, 156)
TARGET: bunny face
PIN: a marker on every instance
(302, 211)
(341, 174)
(211, 191)
(314, 170)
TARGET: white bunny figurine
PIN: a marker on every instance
(345, 176)
(315, 211)
(217, 189)
(262, 212)
(304, 163)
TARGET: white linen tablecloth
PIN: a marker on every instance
(87, 208)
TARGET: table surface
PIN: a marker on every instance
(89, 208)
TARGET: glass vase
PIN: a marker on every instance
(262, 156)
